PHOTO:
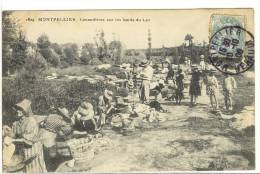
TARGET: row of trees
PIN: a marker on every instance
(57, 54)
(18, 52)
(15, 54)
(69, 54)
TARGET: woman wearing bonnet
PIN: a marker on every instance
(25, 136)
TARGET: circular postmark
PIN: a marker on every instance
(231, 50)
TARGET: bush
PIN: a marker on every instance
(95, 61)
(55, 59)
(64, 64)
(44, 93)
(110, 71)
(73, 70)
(85, 60)
(33, 68)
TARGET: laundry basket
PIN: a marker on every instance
(81, 149)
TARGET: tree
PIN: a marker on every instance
(70, 53)
(75, 50)
(47, 50)
(189, 38)
(36, 62)
(54, 59)
(34, 66)
(43, 45)
(43, 42)
(9, 37)
(87, 53)
(188, 51)
(102, 50)
(19, 52)
(116, 51)
(57, 48)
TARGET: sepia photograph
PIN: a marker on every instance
(128, 90)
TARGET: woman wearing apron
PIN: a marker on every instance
(25, 134)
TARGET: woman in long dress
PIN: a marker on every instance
(54, 126)
(195, 89)
(25, 134)
(170, 73)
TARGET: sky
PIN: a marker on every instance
(168, 27)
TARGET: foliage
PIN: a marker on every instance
(44, 93)
(33, 68)
(9, 38)
(43, 42)
(57, 48)
(95, 61)
(88, 53)
(70, 53)
(9, 28)
(44, 47)
(85, 57)
(19, 52)
(102, 48)
(110, 71)
(188, 37)
(116, 51)
(54, 59)
(46, 53)
(16, 48)
(137, 57)
(78, 70)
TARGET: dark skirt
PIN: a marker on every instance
(195, 89)
(179, 92)
(84, 126)
(170, 74)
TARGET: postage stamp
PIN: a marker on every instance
(218, 21)
(231, 46)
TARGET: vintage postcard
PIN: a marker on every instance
(128, 90)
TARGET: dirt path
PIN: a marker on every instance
(191, 139)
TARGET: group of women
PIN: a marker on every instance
(34, 140)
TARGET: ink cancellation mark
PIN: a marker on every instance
(231, 50)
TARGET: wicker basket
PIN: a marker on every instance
(81, 149)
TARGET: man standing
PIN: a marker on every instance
(229, 83)
(146, 77)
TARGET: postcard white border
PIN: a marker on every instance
(151, 4)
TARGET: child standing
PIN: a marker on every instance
(229, 83)
(211, 89)
(180, 86)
